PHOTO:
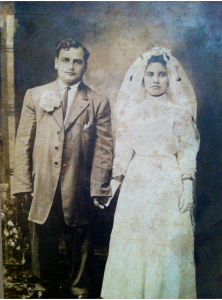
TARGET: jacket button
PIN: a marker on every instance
(58, 132)
(56, 163)
(56, 148)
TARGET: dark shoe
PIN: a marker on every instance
(40, 295)
(46, 295)
(82, 296)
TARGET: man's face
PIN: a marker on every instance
(156, 79)
(70, 65)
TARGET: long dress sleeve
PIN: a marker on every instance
(123, 149)
(188, 139)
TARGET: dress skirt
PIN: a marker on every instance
(151, 246)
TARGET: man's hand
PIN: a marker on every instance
(186, 199)
(25, 200)
(100, 201)
(27, 196)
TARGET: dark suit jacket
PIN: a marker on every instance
(79, 153)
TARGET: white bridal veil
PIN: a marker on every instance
(180, 90)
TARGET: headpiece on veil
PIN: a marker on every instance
(179, 92)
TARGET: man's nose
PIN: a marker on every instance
(71, 65)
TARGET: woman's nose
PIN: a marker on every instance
(156, 78)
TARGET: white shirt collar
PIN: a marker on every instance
(73, 87)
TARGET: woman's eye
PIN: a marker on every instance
(149, 74)
(163, 74)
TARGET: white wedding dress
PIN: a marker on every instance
(151, 246)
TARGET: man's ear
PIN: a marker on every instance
(56, 63)
(86, 67)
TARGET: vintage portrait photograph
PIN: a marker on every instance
(110, 150)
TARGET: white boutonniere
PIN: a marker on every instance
(49, 101)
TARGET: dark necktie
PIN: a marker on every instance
(65, 101)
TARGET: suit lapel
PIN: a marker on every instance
(57, 113)
(79, 104)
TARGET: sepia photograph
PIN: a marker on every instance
(110, 157)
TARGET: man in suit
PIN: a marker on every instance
(63, 157)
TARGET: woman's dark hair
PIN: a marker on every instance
(70, 43)
(155, 59)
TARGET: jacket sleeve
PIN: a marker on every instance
(188, 138)
(103, 149)
(22, 181)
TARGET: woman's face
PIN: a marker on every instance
(155, 79)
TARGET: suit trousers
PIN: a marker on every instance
(45, 251)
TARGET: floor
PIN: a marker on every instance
(18, 282)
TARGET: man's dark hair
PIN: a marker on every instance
(159, 59)
(70, 43)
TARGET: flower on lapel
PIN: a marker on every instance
(50, 100)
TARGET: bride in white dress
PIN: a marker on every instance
(151, 246)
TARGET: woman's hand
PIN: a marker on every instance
(186, 199)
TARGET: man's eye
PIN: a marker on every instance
(163, 74)
(149, 74)
(65, 59)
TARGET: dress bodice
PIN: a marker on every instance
(152, 129)
(156, 127)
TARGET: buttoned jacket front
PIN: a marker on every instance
(77, 154)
